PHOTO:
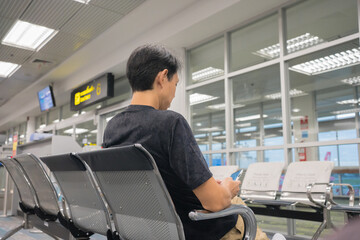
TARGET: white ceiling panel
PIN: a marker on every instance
(90, 21)
(51, 13)
(120, 6)
(13, 8)
(12, 87)
(64, 44)
(14, 55)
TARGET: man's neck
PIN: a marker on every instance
(148, 98)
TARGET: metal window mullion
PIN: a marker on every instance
(285, 104)
(262, 133)
(357, 119)
(228, 99)
(285, 87)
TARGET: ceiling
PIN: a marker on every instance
(77, 24)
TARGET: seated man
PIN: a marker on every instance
(152, 73)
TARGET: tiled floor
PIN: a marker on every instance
(8, 223)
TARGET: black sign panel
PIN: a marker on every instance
(93, 92)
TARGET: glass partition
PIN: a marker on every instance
(318, 21)
(206, 61)
(324, 94)
(207, 105)
(257, 108)
(255, 43)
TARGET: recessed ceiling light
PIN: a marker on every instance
(293, 93)
(83, 1)
(329, 63)
(353, 81)
(207, 73)
(77, 130)
(7, 69)
(197, 98)
(28, 36)
(295, 44)
(251, 117)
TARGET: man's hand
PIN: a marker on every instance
(231, 185)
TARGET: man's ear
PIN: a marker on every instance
(162, 77)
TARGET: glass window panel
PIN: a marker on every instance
(85, 133)
(274, 155)
(244, 159)
(64, 131)
(217, 159)
(206, 61)
(40, 121)
(54, 116)
(22, 133)
(256, 43)
(257, 108)
(66, 112)
(207, 105)
(122, 91)
(350, 178)
(315, 21)
(324, 101)
(344, 155)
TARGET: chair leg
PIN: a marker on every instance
(319, 230)
(13, 231)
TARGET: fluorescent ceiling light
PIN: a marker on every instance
(251, 117)
(293, 93)
(221, 106)
(93, 131)
(296, 110)
(83, 1)
(349, 101)
(295, 44)
(56, 121)
(7, 69)
(354, 81)
(212, 129)
(42, 126)
(28, 36)
(197, 98)
(345, 116)
(329, 63)
(77, 131)
(207, 73)
(243, 125)
(353, 110)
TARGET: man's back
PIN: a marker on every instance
(168, 137)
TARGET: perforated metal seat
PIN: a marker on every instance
(88, 211)
(29, 203)
(48, 207)
(138, 198)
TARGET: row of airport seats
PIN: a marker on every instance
(306, 185)
(116, 192)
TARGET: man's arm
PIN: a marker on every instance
(215, 196)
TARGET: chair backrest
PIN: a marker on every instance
(136, 194)
(26, 191)
(87, 209)
(45, 191)
(299, 175)
(221, 172)
(261, 181)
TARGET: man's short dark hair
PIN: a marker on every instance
(144, 64)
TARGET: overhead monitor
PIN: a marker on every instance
(46, 98)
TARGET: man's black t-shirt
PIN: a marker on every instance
(168, 137)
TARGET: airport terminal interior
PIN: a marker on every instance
(268, 86)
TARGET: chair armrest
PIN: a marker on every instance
(329, 194)
(309, 193)
(245, 212)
